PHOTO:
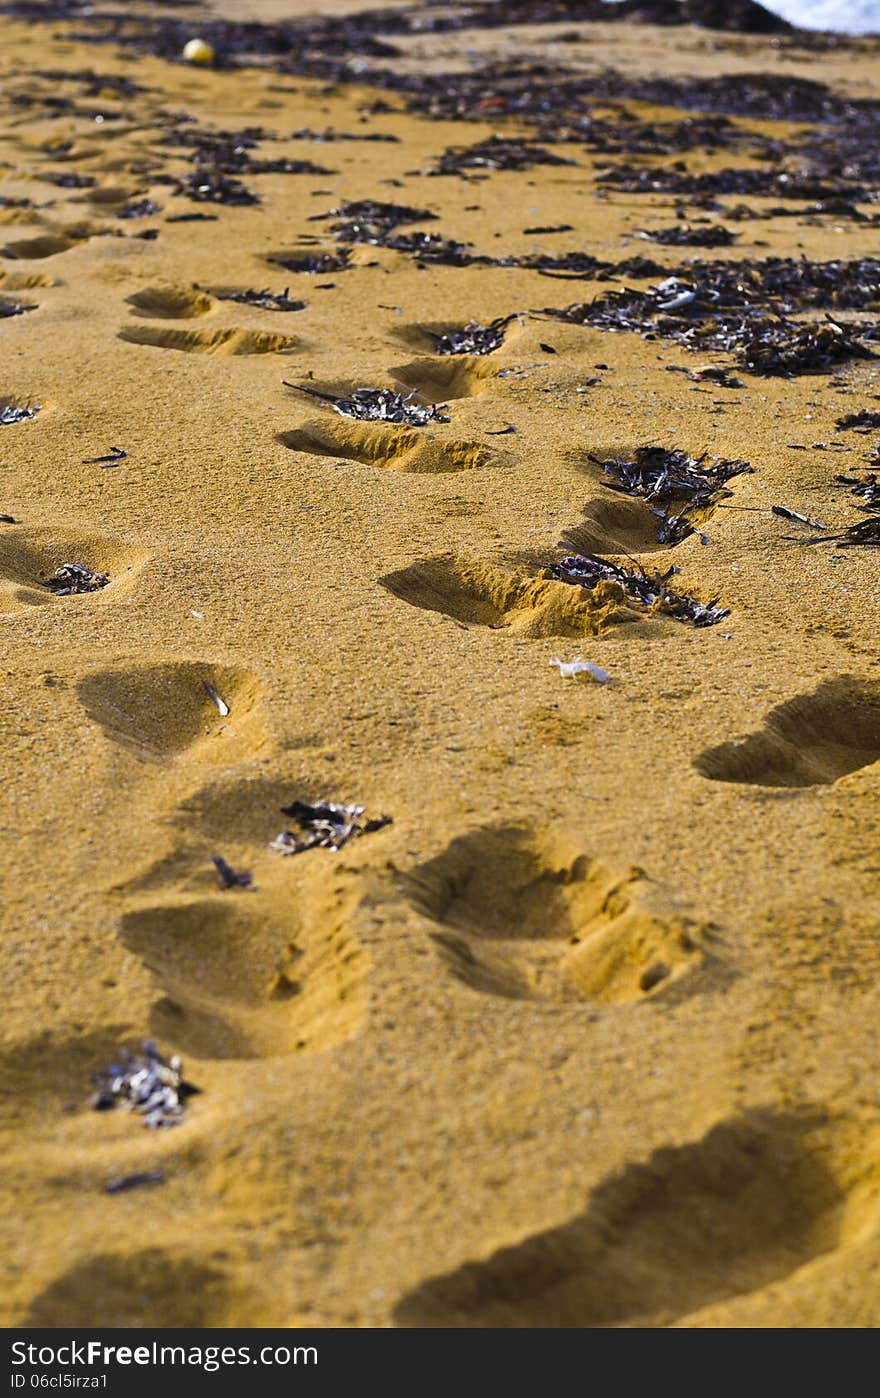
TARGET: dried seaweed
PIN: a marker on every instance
(208, 185)
(859, 422)
(371, 221)
(15, 308)
(139, 208)
(783, 347)
(866, 488)
(69, 179)
(73, 578)
(146, 1083)
(326, 825)
(265, 300)
(378, 405)
(864, 531)
(315, 263)
(472, 339)
(669, 477)
(495, 153)
(229, 877)
(646, 591)
(687, 235)
(10, 413)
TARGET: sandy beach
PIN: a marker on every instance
(587, 1033)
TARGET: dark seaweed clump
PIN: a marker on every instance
(138, 208)
(371, 221)
(687, 235)
(744, 308)
(265, 300)
(647, 591)
(859, 422)
(314, 263)
(10, 414)
(472, 338)
(495, 153)
(866, 488)
(14, 308)
(681, 488)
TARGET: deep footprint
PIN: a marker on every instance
(437, 380)
(228, 341)
(479, 594)
(529, 918)
(163, 712)
(389, 447)
(240, 980)
(29, 557)
(748, 1204)
(171, 302)
(812, 740)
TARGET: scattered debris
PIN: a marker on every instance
(146, 1083)
(686, 235)
(670, 477)
(139, 208)
(8, 519)
(10, 414)
(319, 263)
(867, 488)
(325, 825)
(228, 876)
(495, 153)
(378, 405)
(219, 704)
(265, 300)
(864, 531)
(567, 668)
(72, 578)
(859, 422)
(647, 591)
(785, 513)
(15, 308)
(120, 1183)
(473, 339)
(114, 455)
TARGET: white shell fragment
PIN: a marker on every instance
(219, 704)
(567, 668)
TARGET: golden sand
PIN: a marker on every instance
(442, 1080)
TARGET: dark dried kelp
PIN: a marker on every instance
(265, 300)
(73, 578)
(495, 153)
(146, 1083)
(326, 825)
(866, 488)
(378, 405)
(10, 413)
(646, 591)
(684, 488)
(472, 339)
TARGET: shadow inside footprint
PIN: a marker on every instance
(812, 740)
(388, 446)
(46, 245)
(160, 712)
(30, 557)
(748, 1204)
(526, 917)
(227, 341)
(171, 302)
(239, 979)
(479, 594)
(145, 1288)
(439, 380)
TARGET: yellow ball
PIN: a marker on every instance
(197, 51)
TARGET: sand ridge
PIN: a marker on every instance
(603, 998)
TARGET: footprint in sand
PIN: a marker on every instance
(171, 303)
(191, 710)
(812, 740)
(475, 593)
(221, 341)
(150, 1286)
(268, 969)
(389, 447)
(45, 245)
(439, 380)
(757, 1198)
(31, 557)
(243, 976)
(527, 918)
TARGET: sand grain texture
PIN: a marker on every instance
(589, 1035)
